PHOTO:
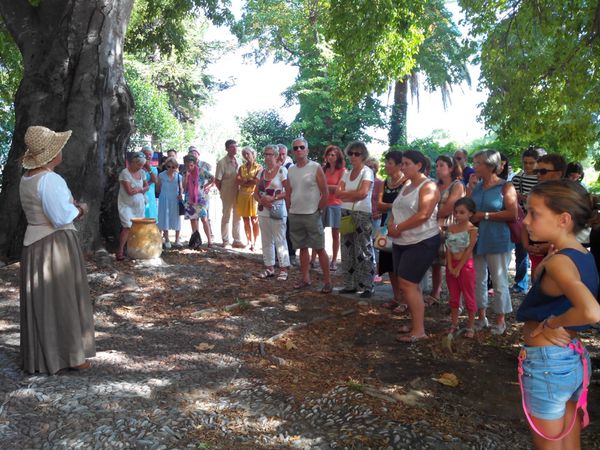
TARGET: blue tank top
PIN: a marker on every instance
(494, 236)
(539, 306)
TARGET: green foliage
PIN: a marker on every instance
(377, 42)
(540, 66)
(260, 128)
(153, 116)
(162, 25)
(293, 32)
(429, 148)
(11, 72)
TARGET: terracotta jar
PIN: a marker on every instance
(145, 240)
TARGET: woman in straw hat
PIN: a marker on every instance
(131, 201)
(57, 324)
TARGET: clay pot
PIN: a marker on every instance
(145, 240)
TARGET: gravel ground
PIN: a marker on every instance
(149, 386)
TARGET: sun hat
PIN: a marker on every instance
(43, 145)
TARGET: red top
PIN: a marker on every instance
(333, 179)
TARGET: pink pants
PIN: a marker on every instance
(465, 284)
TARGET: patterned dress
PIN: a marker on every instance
(199, 210)
(386, 264)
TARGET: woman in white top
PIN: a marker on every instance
(355, 190)
(57, 323)
(131, 201)
(269, 192)
(415, 233)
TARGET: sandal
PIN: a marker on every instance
(400, 309)
(302, 285)
(314, 264)
(85, 365)
(333, 266)
(283, 276)
(119, 256)
(411, 339)
(430, 300)
(266, 274)
(327, 288)
(469, 333)
(392, 304)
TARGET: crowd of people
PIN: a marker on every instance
(465, 222)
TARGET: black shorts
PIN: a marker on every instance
(411, 262)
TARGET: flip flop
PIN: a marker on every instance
(400, 309)
(411, 339)
(302, 285)
(430, 300)
(283, 276)
(327, 288)
(392, 304)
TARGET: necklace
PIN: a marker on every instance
(394, 182)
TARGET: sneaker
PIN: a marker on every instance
(498, 329)
(367, 293)
(178, 244)
(481, 324)
(167, 245)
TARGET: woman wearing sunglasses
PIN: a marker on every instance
(169, 187)
(355, 190)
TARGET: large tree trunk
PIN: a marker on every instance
(397, 134)
(73, 80)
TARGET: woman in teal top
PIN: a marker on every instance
(496, 203)
(151, 173)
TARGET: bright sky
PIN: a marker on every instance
(259, 88)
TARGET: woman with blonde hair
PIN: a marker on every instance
(131, 200)
(246, 204)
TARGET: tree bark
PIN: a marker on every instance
(73, 80)
(397, 134)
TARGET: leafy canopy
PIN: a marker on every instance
(540, 64)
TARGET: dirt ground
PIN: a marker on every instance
(303, 344)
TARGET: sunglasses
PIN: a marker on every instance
(543, 171)
(354, 154)
(298, 147)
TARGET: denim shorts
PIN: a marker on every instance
(552, 376)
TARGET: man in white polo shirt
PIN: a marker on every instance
(306, 198)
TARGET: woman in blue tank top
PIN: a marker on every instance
(554, 366)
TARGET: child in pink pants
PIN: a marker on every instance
(460, 272)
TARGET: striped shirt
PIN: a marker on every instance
(523, 182)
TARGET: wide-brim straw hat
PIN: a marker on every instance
(43, 145)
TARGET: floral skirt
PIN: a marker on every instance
(196, 210)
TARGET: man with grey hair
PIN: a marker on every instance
(306, 198)
(283, 158)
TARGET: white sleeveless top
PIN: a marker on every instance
(305, 190)
(406, 206)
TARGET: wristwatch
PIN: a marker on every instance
(486, 215)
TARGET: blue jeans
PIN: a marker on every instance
(521, 268)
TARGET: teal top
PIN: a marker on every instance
(457, 242)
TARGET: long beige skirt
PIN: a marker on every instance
(57, 322)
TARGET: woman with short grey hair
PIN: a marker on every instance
(355, 190)
(496, 202)
(131, 202)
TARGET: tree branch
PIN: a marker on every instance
(17, 15)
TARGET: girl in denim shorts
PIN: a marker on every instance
(554, 367)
